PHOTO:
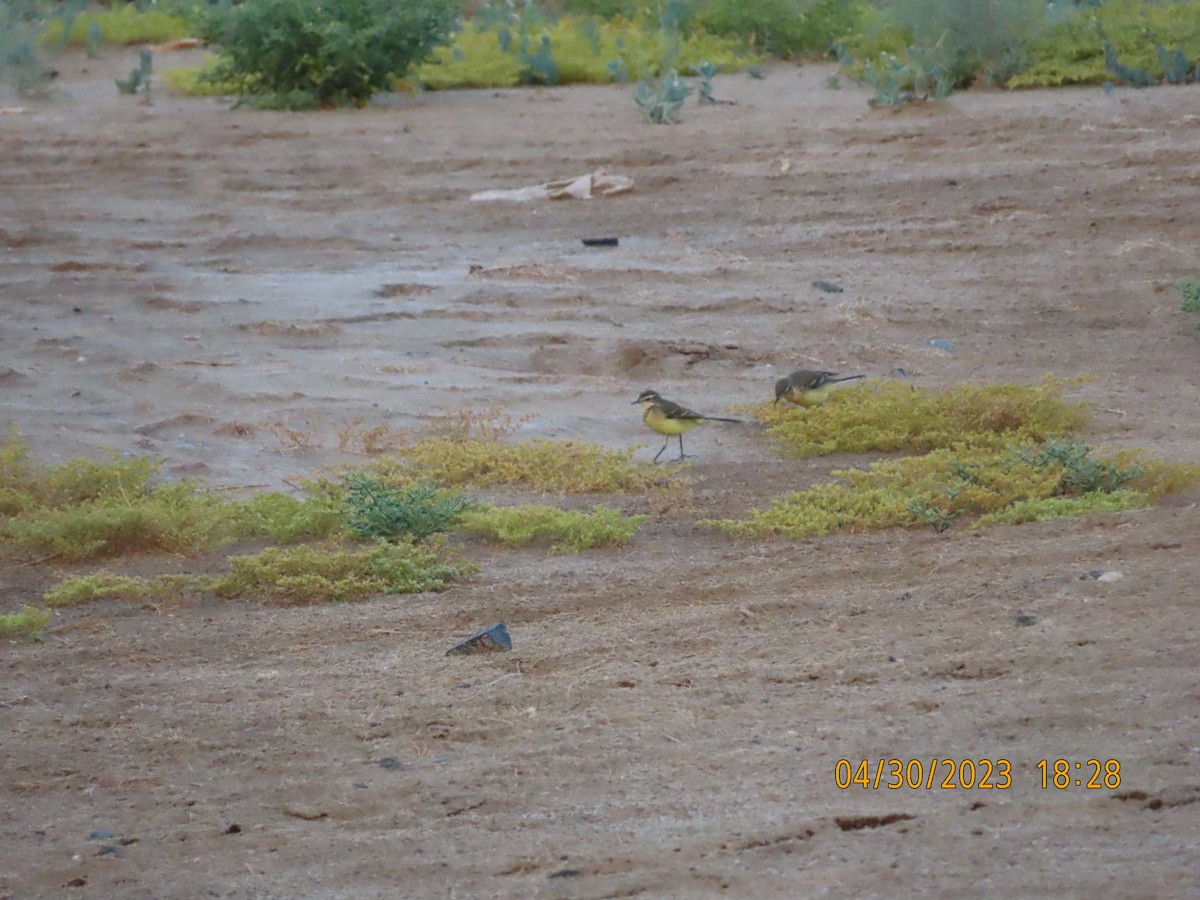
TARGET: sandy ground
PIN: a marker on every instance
(228, 289)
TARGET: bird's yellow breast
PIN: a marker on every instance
(812, 396)
(657, 420)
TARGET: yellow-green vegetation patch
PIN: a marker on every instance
(574, 49)
(84, 509)
(106, 585)
(30, 620)
(120, 25)
(890, 416)
(287, 519)
(995, 484)
(196, 81)
(571, 467)
(569, 531)
(1141, 35)
(339, 573)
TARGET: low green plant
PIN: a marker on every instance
(293, 54)
(898, 81)
(569, 531)
(890, 416)
(139, 78)
(121, 25)
(30, 620)
(706, 71)
(661, 102)
(1082, 473)
(1189, 289)
(21, 63)
(102, 585)
(414, 512)
(336, 573)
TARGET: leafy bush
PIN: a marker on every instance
(416, 512)
(888, 416)
(973, 37)
(570, 530)
(321, 574)
(29, 620)
(295, 54)
(1072, 51)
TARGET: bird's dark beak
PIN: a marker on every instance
(636, 402)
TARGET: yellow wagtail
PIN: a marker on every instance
(669, 418)
(806, 387)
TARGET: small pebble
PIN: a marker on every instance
(828, 287)
(1024, 620)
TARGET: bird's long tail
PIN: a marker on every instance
(719, 419)
(847, 378)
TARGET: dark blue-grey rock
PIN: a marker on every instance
(942, 344)
(489, 640)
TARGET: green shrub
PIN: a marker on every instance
(333, 573)
(29, 620)
(569, 530)
(415, 512)
(661, 103)
(1189, 288)
(295, 54)
(1040, 510)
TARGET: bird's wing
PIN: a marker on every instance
(808, 381)
(673, 410)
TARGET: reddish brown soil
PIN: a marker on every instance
(181, 279)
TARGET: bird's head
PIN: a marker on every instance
(781, 387)
(647, 398)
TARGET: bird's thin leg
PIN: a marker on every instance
(660, 452)
(681, 456)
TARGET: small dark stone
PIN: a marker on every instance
(946, 346)
(488, 640)
(950, 182)
(1091, 576)
(359, 785)
(390, 762)
(76, 882)
(108, 850)
(234, 828)
(601, 242)
(102, 835)
(827, 286)
(1024, 620)
(566, 873)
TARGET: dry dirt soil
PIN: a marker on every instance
(229, 289)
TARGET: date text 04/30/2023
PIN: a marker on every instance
(973, 774)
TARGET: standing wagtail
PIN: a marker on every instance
(805, 387)
(669, 418)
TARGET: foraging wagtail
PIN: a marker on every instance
(669, 418)
(805, 387)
